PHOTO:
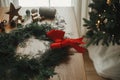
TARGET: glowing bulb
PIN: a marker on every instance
(98, 21)
(99, 15)
(103, 32)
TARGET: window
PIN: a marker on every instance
(45, 3)
(66, 3)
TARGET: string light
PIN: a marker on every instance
(98, 21)
(104, 10)
(112, 20)
(99, 15)
(113, 35)
(98, 29)
(104, 32)
(98, 25)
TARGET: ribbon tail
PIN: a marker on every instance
(79, 49)
(55, 45)
(79, 40)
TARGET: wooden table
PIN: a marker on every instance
(74, 68)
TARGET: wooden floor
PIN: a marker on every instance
(90, 71)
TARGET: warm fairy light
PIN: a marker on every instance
(99, 15)
(98, 29)
(112, 20)
(104, 10)
(98, 22)
(113, 35)
(104, 32)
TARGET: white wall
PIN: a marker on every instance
(45, 3)
(81, 11)
(6, 3)
(77, 8)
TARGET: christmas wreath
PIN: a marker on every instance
(16, 67)
(40, 67)
(104, 24)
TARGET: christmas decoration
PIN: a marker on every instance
(57, 36)
(24, 67)
(104, 24)
(13, 24)
(34, 11)
(21, 67)
(1, 28)
(13, 12)
(48, 13)
(28, 13)
(2, 25)
(35, 16)
(4, 22)
(109, 2)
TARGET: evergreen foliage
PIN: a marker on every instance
(104, 24)
(16, 67)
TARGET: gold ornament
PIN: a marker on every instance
(109, 2)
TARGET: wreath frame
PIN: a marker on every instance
(16, 67)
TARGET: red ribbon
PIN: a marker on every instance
(58, 37)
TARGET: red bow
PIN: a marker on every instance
(58, 37)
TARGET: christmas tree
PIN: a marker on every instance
(103, 24)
